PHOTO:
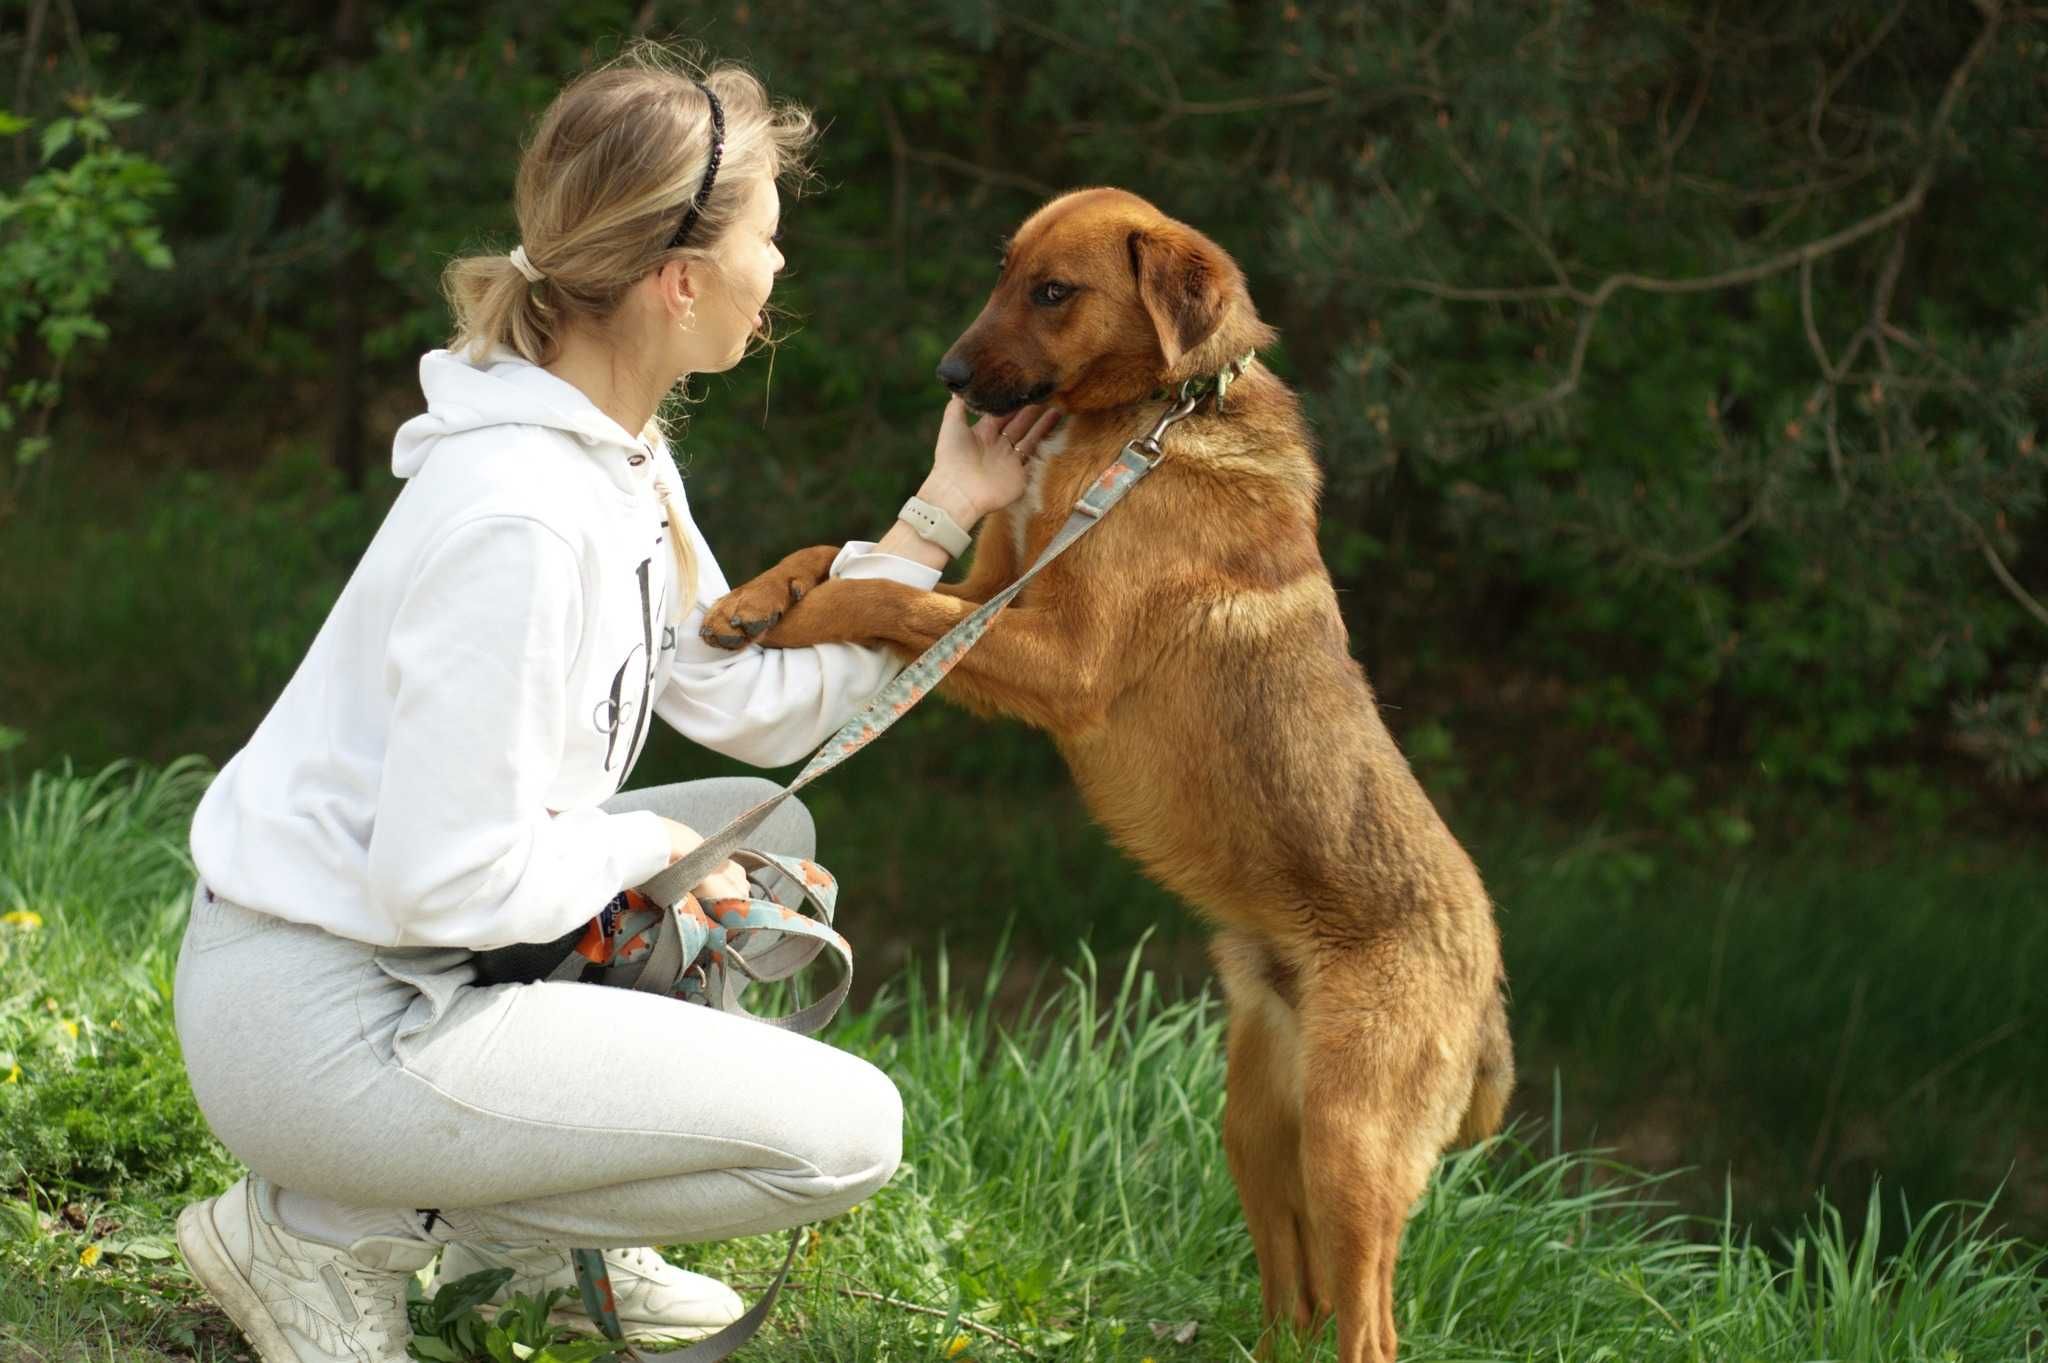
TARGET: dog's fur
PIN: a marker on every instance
(1189, 660)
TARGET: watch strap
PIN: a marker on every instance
(934, 523)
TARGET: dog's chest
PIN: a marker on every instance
(1033, 501)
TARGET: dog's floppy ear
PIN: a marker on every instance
(1184, 281)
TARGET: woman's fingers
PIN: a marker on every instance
(729, 881)
(1038, 430)
(1020, 422)
(954, 415)
(1020, 429)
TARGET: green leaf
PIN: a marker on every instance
(56, 137)
(464, 1295)
(574, 1351)
(498, 1345)
(152, 1248)
(10, 124)
(18, 1220)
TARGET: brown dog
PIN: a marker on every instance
(1189, 660)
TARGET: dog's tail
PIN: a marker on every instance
(1494, 1078)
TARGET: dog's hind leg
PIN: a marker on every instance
(1381, 1094)
(1262, 1140)
(1262, 1129)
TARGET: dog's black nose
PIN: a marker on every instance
(955, 373)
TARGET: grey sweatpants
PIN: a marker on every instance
(558, 1113)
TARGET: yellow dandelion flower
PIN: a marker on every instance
(114, 1025)
(70, 1028)
(13, 1075)
(89, 1256)
(28, 920)
(956, 1346)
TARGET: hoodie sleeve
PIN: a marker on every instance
(463, 851)
(771, 706)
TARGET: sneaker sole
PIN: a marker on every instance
(209, 1261)
(637, 1332)
(573, 1318)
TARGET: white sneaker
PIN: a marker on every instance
(298, 1300)
(655, 1299)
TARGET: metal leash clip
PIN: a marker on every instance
(1147, 446)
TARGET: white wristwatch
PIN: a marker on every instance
(933, 523)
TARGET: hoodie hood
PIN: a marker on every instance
(504, 389)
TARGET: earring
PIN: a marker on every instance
(689, 317)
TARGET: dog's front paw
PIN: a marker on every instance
(841, 611)
(749, 611)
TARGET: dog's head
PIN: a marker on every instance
(1102, 299)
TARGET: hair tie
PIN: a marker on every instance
(525, 266)
(710, 170)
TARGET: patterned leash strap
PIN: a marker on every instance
(720, 943)
(708, 954)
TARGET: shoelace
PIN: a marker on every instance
(636, 1258)
(383, 1297)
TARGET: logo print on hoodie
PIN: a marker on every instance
(612, 711)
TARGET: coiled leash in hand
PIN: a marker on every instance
(659, 938)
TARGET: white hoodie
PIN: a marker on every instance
(430, 775)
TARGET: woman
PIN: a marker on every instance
(442, 775)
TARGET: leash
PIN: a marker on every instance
(669, 889)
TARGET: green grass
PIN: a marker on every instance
(1063, 1183)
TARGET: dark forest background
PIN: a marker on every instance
(1680, 372)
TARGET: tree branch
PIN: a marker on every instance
(1996, 564)
(1166, 93)
(1009, 178)
(1799, 257)
(899, 196)
(29, 47)
(1833, 82)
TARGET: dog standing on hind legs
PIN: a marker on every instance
(1189, 661)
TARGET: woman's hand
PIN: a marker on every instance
(980, 468)
(727, 882)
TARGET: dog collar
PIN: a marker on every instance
(1202, 385)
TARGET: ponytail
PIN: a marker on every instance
(495, 305)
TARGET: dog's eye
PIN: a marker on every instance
(1050, 292)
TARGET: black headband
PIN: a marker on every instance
(710, 170)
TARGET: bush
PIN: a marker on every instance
(63, 232)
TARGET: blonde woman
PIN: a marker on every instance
(443, 774)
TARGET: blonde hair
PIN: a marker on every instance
(605, 180)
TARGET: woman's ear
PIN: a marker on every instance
(1184, 281)
(675, 289)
